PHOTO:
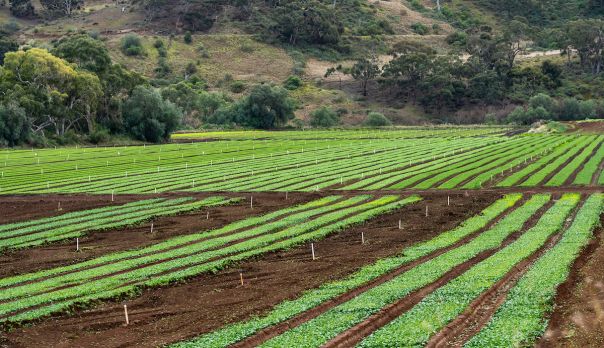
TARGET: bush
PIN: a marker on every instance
(528, 116)
(237, 86)
(376, 119)
(324, 117)
(163, 68)
(419, 28)
(292, 83)
(188, 38)
(569, 109)
(99, 136)
(148, 117)
(131, 45)
(543, 100)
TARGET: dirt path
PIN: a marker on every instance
(207, 302)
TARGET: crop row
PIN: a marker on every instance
(173, 260)
(328, 325)
(288, 309)
(521, 318)
(77, 224)
(416, 326)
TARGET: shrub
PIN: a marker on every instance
(237, 86)
(99, 136)
(131, 45)
(188, 38)
(292, 83)
(419, 28)
(543, 100)
(376, 119)
(324, 117)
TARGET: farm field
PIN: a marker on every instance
(419, 236)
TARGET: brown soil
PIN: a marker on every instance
(99, 243)
(588, 127)
(578, 317)
(207, 302)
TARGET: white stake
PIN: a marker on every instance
(152, 227)
(241, 277)
(448, 201)
(362, 238)
(112, 191)
(426, 211)
(312, 249)
(400, 224)
(208, 215)
(77, 244)
(286, 195)
(126, 314)
(251, 202)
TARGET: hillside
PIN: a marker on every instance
(452, 63)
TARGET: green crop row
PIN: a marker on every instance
(329, 324)
(105, 221)
(177, 264)
(586, 175)
(288, 309)
(521, 318)
(416, 326)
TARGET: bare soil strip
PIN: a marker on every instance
(357, 333)
(207, 302)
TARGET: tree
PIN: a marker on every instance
(21, 8)
(53, 93)
(7, 45)
(324, 117)
(86, 52)
(61, 7)
(14, 125)
(266, 107)
(587, 38)
(307, 22)
(148, 117)
(365, 70)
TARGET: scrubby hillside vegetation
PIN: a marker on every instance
(100, 70)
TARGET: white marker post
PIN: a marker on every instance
(362, 238)
(241, 278)
(426, 211)
(400, 224)
(126, 314)
(112, 192)
(152, 227)
(77, 244)
(312, 250)
(251, 202)
(207, 215)
(448, 201)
